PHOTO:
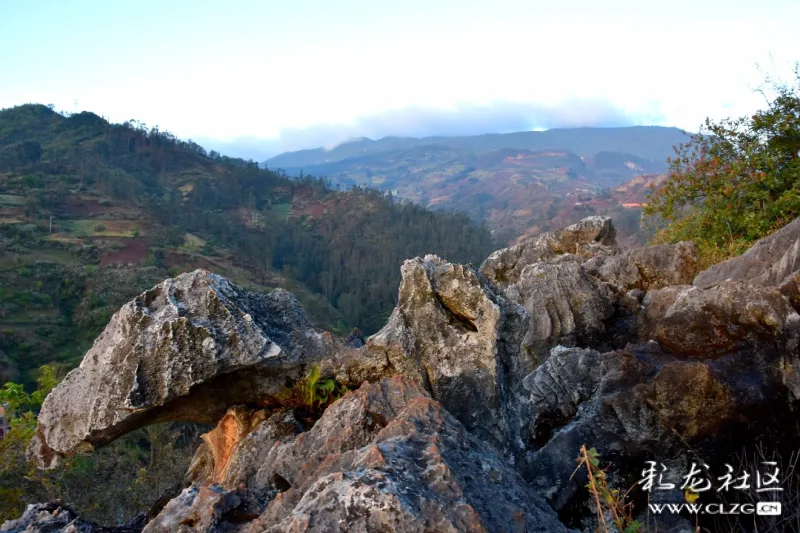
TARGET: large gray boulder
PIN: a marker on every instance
(185, 350)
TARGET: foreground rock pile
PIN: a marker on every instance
(467, 409)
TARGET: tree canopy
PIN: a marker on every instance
(735, 181)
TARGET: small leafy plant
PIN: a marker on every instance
(319, 392)
(608, 501)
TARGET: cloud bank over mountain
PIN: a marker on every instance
(464, 119)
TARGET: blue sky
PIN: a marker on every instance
(260, 77)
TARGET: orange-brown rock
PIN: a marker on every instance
(221, 441)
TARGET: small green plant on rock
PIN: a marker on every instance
(608, 502)
(319, 392)
(310, 396)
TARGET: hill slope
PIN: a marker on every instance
(93, 213)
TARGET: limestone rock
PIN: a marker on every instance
(220, 442)
(199, 509)
(654, 267)
(590, 237)
(564, 306)
(383, 458)
(447, 333)
(643, 402)
(713, 322)
(655, 305)
(58, 517)
(481, 379)
(174, 353)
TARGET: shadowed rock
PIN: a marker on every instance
(642, 403)
(383, 458)
(58, 517)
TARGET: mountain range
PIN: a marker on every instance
(518, 183)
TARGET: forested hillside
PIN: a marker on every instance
(92, 213)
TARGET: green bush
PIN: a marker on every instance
(735, 181)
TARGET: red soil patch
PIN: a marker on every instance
(135, 250)
(77, 206)
(315, 210)
(89, 206)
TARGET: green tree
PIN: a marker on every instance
(735, 181)
(16, 475)
(135, 470)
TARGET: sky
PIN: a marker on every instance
(256, 78)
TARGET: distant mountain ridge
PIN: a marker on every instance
(518, 183)
(650, 142)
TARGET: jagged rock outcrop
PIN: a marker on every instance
(644, 269)
(384, 458)
(447, 333)
(482, 378)
(592, 236)
(185, 350)
(470, 341)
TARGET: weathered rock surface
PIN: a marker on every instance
(186, 349)
(590, 237)
(565, 306)
(713, 322)
(770, 262)
(474, 399)
(384, 458)
(470, 343)
(645, 402)
(655, 267)
(58, 517)
(447, 333)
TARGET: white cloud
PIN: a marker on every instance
(463, 119)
